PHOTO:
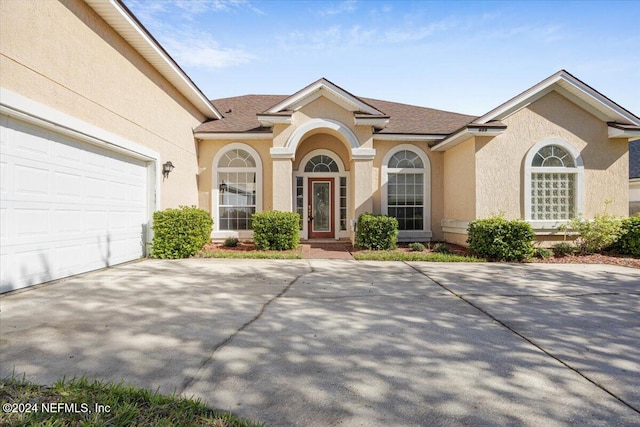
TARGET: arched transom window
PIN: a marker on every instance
(553, 184)
(321, 163)
(406, 190)
(237, 189)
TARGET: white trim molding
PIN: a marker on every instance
(323, 87)
(568, 85)
(466, 133)
(210, 136)
(409, 235)
(334, 127)
(529, 169)
(215, 192)
(617, 132)
(304, 233)
(407, 137)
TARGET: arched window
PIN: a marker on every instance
(321, 163)
(406, 179)
(237, 176)
(554, 174)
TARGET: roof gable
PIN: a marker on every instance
(324, 87)
(571, 88)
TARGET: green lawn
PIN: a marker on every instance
(412, 256)
(79, 402)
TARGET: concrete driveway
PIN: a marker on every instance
(338, 342)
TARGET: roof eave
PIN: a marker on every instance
(233, 135)
(563, 80)
(124, 22)
(467, 132)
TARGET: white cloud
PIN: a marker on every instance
(199, 50)
(188, 46)
(345, 6)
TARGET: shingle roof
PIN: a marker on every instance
(634, 159)
(240, 115)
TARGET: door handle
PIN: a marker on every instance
(309, 216)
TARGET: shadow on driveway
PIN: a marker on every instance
(336, 342)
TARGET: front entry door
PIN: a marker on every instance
(320, 210)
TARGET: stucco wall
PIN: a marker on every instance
(62, 54)
(207, 152)
(459, 181)
(436, 180)
(322, 141)
(500, 162)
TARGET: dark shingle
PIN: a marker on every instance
(240, 116)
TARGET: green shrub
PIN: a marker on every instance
(180, 233)
(416, 247)
(597, 234)
(563, 249)
(629, 241)
(542, 253)
(500, 239)
(377, 232)
(441, 248)
(230, 242)
(276, 230)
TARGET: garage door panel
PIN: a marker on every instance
(31, 181)
(67, 207)
(67, 186)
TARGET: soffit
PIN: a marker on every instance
(118, 16)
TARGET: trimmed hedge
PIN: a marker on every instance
(377, 232)
(629, 241)
(276, 230)
(180, 233)
(500, 239)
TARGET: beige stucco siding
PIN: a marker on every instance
(459, 181)
(435, 180)
(63, 55)
(322, 141)
(207, 152)
(500, 162)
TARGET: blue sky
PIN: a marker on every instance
(466, 57)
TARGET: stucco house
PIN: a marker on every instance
(92, 107)
(553, 152)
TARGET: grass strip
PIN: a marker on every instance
(412, 256)
(251, 254)
(80, 402)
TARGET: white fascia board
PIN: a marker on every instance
(232, 135)
(313, 91)
(569, 83)
(268, 120)
(406, 137)
(138, 37)
(463, 135)
(631, 135)
(377, 122)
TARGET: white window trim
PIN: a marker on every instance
(408, 235)
(215, 192)
(578, 171)
(304, 233)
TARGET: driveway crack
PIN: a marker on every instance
(192, 379)
(514, 331)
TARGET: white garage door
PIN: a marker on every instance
(67, 207)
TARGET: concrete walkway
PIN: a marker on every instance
(339, 342)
